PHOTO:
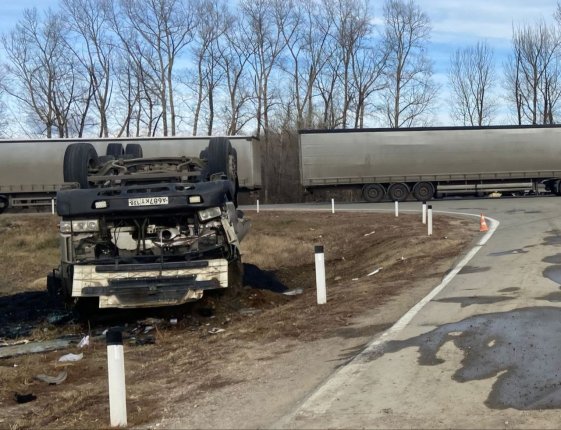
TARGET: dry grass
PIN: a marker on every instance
(28, 251)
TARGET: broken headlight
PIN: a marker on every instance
(210, 213)
(79, 226)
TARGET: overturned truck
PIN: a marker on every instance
(144, 232)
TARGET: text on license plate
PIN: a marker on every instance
(149, 201)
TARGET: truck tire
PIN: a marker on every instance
(79, 158)
(423, 191)
(373, 193)
(398, 192)
(116, 150)
(222, 158)
(4, 202)
(134, 149)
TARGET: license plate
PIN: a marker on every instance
(149, 201)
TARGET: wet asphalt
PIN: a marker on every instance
(484, 353)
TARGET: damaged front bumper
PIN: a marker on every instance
(149, 285)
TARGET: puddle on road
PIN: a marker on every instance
(520, 348)
(553, 273)
(474, 300)
(553, 259)
(554, 239)
(473, 269)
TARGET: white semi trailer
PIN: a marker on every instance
(32, 171)
(431, 162)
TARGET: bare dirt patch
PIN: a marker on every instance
(238, 360)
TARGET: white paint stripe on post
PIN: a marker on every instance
(116, 375)
(320, 276)
(53, 206)
(424, 212)
(257, 205)
(429, 216)
(332, 206)
(396, 208)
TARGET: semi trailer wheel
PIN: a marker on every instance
(79, 158)
(398, 192)
(373, 193)
(423, 191)
(115, 149)
(134, 150)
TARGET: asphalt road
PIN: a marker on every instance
(484, 352)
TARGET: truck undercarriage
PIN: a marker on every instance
(150, 232)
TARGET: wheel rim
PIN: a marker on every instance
(398, 192)
(373, 192)
(423, 191)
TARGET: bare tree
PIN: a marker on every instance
(42, 77)
(410, 92)
(157, 31)
(86, 19)
(213, 20)
(234, 61)
(472, 77)
(263, 23)
(532, 73)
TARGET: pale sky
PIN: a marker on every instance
(455, 24)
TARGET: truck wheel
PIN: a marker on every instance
(116, 150)
(3, 203)
(134, 149)
(398, 192)
(423, 191)
(79, 158)
(222, 158)
(373, 193)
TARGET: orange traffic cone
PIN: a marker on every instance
(483, 224)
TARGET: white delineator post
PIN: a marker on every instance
(257, 205)
(53, 206)
(320, 275)
(429, 216)
(424, 212)
(396, 208)
(116, 375)
(332, 206)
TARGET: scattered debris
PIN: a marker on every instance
(17, 342)
(33, 347)
(216, 330)
(148, 340)
(60, 318)
(52, 380)
(368, 234)
(148, 329)
(249, 311)
(84, 342)
(173, 321)
(374, 272)
(354, 279)
(151, 321)
(71, 357)
(294, 292)
(337, 278)
(24, 398)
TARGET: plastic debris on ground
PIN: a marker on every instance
(374, 272)
(216, 330)
(84, 342)
(294, 292)
(52, 380)
(71, 357)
